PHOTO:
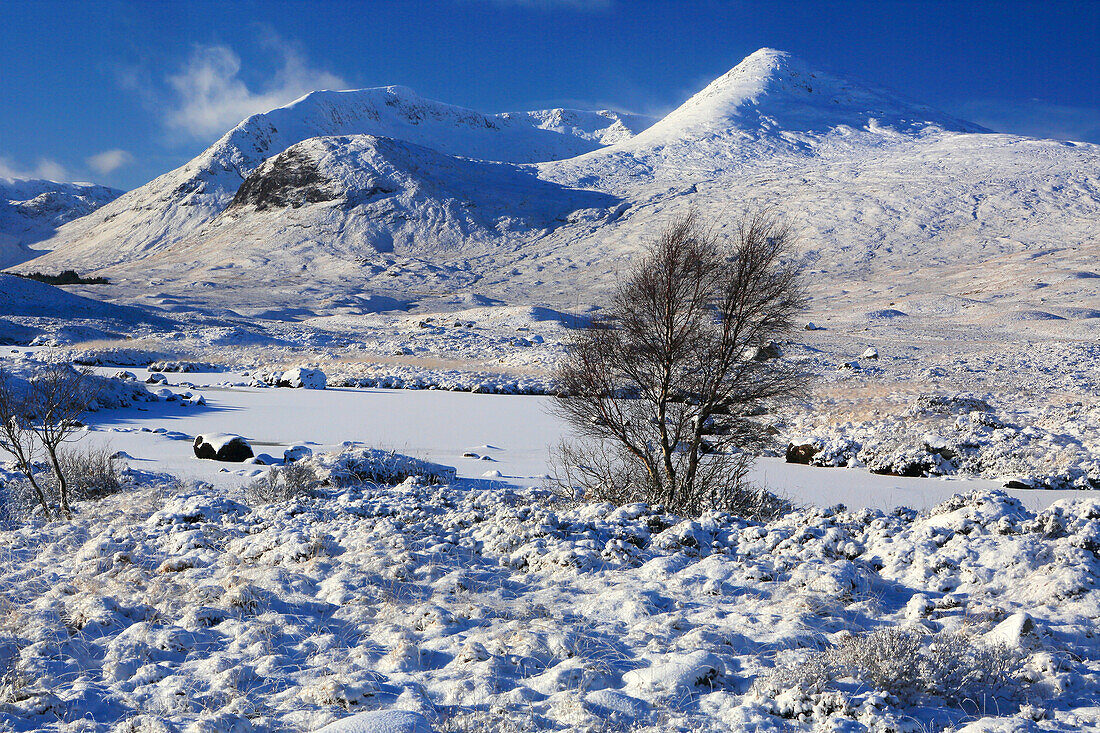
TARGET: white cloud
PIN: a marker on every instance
(109, 161)
(210, 96)
(43, 168)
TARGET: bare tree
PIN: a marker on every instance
(59, 395)
(660, 388)
(17, 436)
(41, 416)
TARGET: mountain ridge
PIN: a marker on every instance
(873, 185)
(178, 204)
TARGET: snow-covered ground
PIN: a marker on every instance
(487, 604)
(481, 607)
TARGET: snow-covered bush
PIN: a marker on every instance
(912, 667)
(352, 467)
(598, 472)
(356, 466)
(282, 483)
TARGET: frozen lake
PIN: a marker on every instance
(511, 435)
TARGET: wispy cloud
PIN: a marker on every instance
(1035, 118)
(43, 168)
(109, 161)
(208, 95)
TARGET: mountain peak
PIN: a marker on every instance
(773, 92)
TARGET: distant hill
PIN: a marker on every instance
(31, 210)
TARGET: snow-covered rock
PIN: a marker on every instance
(303, 378)
(381, 721)
(1014, 630)
(297, 453)
(222, 447)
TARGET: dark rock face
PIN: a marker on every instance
(765, 352)
(802, 453)
(233, 449)
(290, 179)
(907, 469)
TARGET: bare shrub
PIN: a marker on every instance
(662, 388)
(912, 666)
(91, 472)
(605, 471)
(292, 481)
(37, 418)
(18, 499)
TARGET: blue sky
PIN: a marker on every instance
(119, 92)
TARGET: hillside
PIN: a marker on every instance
(31, 210)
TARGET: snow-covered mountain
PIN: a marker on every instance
(179, 203)
(382, 193)
(31, 209)
(772, 93)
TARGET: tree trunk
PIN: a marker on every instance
(39, 493)
(62, 485)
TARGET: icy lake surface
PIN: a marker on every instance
(508, 436)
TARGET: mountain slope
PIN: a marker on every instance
(770, 106)
(29, 298)
(31, 209)
(895, 203)
(179, 203)
(350, 198)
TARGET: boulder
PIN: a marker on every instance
(303, 378)
(1017, 630)
(870, 353)
(803, 453)
(156, 378)
(222, 447)
(764, 352)
(296, 453)
(166, 395)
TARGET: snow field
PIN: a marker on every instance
(487, 608)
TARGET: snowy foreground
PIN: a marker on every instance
(484, 603)
(487, 604)
(481, 608)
